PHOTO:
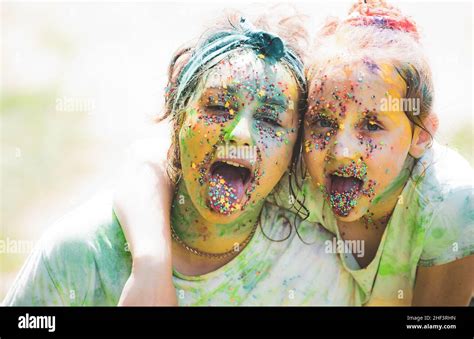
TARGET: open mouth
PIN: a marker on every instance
(344, 192)
(345, 184)
(228, 182)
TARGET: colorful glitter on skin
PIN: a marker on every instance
(370, 145)
(343, 202)
(243, 101)
(222, 197)
(235, 106)
(344, 123)
(319, 141)
(353, 169)
(369, 124)
(369, 190)
(219, 109)
(348, 180)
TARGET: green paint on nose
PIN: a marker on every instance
(228, 131)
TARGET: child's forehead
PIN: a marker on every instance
(356, 89)
(246, 67)
(364, 76)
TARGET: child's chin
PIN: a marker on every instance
(216, 217)
(353, 215)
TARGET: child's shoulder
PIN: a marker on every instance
(447, 192)
(88, 244)
(79, 227)
(443, 174)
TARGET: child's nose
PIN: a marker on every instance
(239, 132)
(346, 145)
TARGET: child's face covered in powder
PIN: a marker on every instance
(238, 134)
(357, 136)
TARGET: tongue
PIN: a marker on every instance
(341, 184)
(226, 188)
(344, 194)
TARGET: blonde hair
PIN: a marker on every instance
(378, 32)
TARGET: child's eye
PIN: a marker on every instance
(220, 104)
(217, 108)
(372, 126)
(323, 123)
(269, 115)
(270, 121)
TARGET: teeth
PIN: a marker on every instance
(232, 163)
(342, 175)
(346, 175)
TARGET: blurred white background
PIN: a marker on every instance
(80, 81)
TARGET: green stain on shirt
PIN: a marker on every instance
(438, 233)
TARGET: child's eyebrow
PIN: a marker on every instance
(217, 93)
(374, 114)
(321, 110)
(224, 88)
(275, 100)
(369, 114)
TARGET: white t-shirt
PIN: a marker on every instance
(432, 224)
(84, 260)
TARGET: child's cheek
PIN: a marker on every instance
(393, 144)
(370, 145)
(314, 155)
(198, 143)
(194, 135)
(315, 161)
(271, 138)
(386, 163)
(381, 167)
(318, 141)
(316, 147)
(278, 154)
(275, 146)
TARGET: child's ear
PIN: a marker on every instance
(422, 138)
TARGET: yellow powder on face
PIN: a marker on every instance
(390, 76)
(347, 71)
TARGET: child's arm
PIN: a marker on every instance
(445, 274)
(142, 203)
(445, 285)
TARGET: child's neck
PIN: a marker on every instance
(371, 227)
(205, 236)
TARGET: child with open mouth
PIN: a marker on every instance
(236, 102)
(375, 175)
(372, 159)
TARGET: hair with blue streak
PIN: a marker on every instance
(196, 61)
(217, 46)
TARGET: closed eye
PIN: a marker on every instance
(270, 121)
(217, 109)
(269, 115)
